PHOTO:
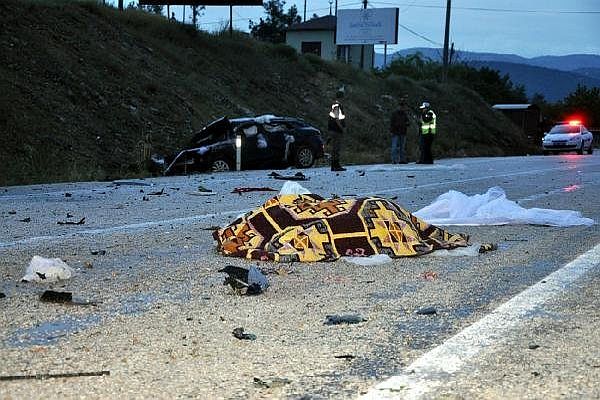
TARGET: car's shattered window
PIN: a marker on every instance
(275, 127)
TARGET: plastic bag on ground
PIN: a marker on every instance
(291, 187)
(493, 208)
(42, 269)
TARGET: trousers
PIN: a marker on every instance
(398, 149)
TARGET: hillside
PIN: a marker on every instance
(89, 93)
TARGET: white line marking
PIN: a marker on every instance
(437, 366)
(121, 228)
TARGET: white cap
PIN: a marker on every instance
(424, 105)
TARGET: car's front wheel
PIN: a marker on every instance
(220, 165)
(580, 149)
(305, 157)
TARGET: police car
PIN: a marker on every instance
(568, 136)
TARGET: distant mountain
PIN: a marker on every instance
(553, 76)
(552, 83)
(591, 72)
(564, 63)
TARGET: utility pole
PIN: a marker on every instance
(305, 10)
(120, 5)
(362, 46)
(446, 39)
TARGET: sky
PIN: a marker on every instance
(526, 28)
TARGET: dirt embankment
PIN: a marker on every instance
(89, 93)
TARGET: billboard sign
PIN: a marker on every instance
(367, 26)
(200, 2)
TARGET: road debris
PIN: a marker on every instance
(339, 319)
(159, 193)
(80, 222)
(42, 269)
(27, 219)
(68, 194)
(2, 295)
(98, 252)
(12, 212)
(239, 278)
(426, 311)
(271, 383)
(345, 356)
(298, 176)
(238, 333)
(131, 183)
(49, 376)
(51, 296)
(429, 275)
(485, 247)
(240, 190)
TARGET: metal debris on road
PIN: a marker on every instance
(426, 311)
(298, 176)
(51, 296)
(80, 222)
(240, 278)
(27, 219)
(240, 190)
(238, 333)
(344, 319)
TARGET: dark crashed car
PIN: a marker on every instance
(266, 141)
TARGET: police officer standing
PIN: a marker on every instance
(427, 121)
(336, 125)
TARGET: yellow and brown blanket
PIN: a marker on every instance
(309, 228)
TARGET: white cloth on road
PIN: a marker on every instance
(493, 208)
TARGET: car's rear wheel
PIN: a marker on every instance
(305, 157)
(545, 152)
(591, 149)
(220, 165)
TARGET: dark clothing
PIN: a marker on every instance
(398, 128)
(428, 130)
(426, 154)
(399, 122)
(336, 128)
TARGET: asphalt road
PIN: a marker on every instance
(519, 322)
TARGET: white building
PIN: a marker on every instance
(317, 36)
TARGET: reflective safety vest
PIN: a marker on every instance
(428, 127)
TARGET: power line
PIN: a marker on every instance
(504, 10)
(419, 35)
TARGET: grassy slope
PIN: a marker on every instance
(88, 93)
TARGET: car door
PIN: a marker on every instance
(277, 134)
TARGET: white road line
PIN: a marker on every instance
(194, 218)
(437, 366)
(121, 228)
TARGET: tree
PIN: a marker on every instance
(272, 29)
(584, 102)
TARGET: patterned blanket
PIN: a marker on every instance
(309, 228)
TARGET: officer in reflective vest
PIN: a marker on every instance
(427, 120)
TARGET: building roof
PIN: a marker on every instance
(513, 106)
(326, 23)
